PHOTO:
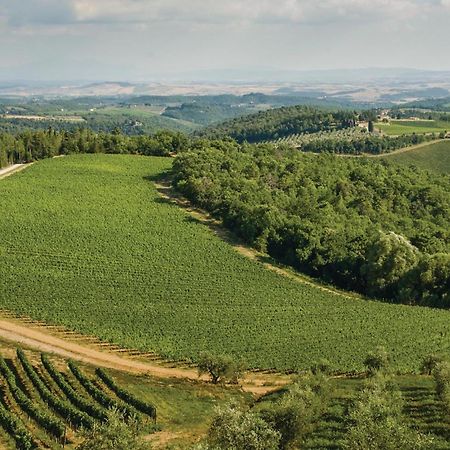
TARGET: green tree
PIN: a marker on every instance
(234, 429)
(220, 368)
(377, 361)
(388, 260)
(115, 434)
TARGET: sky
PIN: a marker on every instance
(145, 40)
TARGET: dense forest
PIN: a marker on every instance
(364, 225)
(33, 145)
(280, 122)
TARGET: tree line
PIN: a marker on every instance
(368, 226)
(38, 144)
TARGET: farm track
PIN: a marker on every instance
(7, 171)
(54, 340)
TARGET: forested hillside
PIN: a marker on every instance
(280, 122)
(365, 225)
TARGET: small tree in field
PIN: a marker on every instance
(430, 362)
(377, 361)
(220, 368)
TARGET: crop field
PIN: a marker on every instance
(399, 127)
(88, 243)
(433, 157)
(44, 407)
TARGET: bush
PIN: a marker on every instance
(115, 434)
(298, 411)
(430, 362)
(377, 361)
(377, 421)
(234, 429)
(322, 366)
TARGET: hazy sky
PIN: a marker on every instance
(144, 39)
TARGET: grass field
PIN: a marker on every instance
(87, 242)
(433, 157)
(399, 127)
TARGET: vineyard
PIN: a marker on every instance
(300, 140)
(88, 243)
(399, 127)
(42, 406)
(433, 157)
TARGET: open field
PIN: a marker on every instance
(434, 157)
(88, 243)
(183, 407)
(399, 127)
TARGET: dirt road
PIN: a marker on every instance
(46, 340)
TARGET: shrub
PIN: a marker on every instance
(377, 361)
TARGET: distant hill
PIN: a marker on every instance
(280, 122)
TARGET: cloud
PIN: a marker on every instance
(306, 12)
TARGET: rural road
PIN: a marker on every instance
(11, 169)
(44, 340)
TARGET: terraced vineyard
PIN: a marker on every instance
(43, 407)
(88, 243)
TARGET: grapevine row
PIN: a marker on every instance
(98, 394)
(126, 396)
(80, 402)
(64, 408)
(24, 440)
(47, 421)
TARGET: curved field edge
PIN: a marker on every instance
(434, 157)
(87, 243)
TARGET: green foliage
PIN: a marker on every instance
(114, 434)
(124, 395)
(434, 157)
(377, 422)
(90, 237)
(389, 259)
(234, 429)
(12, 424)
(441, 374)
(62, 407)
(322, 366)
(74, 396)
(220, 368)
(49, 422)
(34, 145)
(323, 214)
(430, 363)
(377, 361)
(280, 122)
(296, 414)
(98, 395)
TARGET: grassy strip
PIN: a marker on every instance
(144, 407)
(47, 421)
(80, 402)
(64, 408)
